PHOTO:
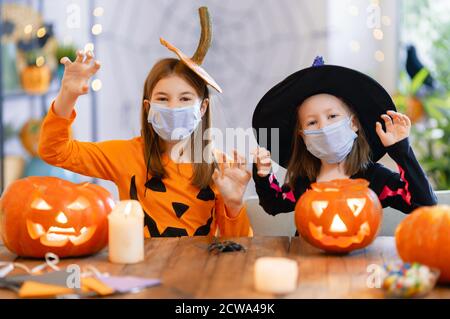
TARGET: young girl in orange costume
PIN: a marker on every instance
(180, 197)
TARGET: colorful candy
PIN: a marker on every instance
(408, 280)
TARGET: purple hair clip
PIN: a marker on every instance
(318, 61)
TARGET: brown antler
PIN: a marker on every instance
(205, 38)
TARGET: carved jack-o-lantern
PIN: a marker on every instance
(47, 214)
(339, 216)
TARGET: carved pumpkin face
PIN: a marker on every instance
(42, 214)
(339, 216)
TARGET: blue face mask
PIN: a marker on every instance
(174, 124)
(332, 143)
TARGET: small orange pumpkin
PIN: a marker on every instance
(35, 80)
(48, 214)
(339, 216)
(29, 136)
(424, 237)
(414, 109)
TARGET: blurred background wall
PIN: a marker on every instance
(256, 43)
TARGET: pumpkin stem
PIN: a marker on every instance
(205, 38)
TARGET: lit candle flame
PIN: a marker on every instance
(127, 210)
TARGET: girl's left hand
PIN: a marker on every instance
(398, 127)
(231, 178)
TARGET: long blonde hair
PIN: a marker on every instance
(153, 144)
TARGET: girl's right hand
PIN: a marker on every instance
(263, 161)
(77, 74)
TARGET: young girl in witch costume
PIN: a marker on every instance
(330, 122)
(180, 196)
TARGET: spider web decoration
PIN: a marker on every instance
(256, 43)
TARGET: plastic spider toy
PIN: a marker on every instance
(225, 247)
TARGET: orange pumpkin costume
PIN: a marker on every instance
(173, 206)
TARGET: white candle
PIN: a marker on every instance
(275, 275)
(126, 233)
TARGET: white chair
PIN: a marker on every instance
(264, 224)
(393, 217)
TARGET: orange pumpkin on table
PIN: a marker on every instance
(424, 237)
(339, 216)
(48, 214)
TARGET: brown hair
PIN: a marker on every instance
(153, 144)
(303, 163)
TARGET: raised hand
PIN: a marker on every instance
(231, 178)
(398, 127)
(75, 82)
(263, 161)
(78, 73)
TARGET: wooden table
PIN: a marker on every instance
(187, 270)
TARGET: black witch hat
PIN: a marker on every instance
(278, 108)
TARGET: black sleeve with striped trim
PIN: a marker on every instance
(409, 188)
(275, 199)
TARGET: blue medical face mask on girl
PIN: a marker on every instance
(174, 124)
(332, 143)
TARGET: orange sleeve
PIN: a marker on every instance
(238, 226)
(57, 148)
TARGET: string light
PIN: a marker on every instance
(41, 32)
(98, 12)
(379, 56)
(355, 46)
(378, 34)
(28, 29)
(89, 47)
(96, 85)
(386, 20)
(97, 29)
(40, 61)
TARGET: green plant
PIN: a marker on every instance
(31, 57)
(66, 51)
(406, 100)
(432, 140)
(430, 137)
(9, 132)
(426, 24)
